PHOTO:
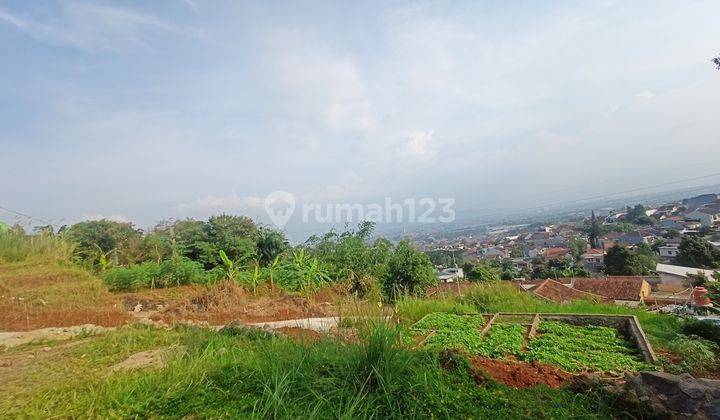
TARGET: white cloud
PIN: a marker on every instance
(90, 26)
(318, 87)
(418, 144)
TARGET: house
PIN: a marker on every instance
(593, 260)
(623, 290)
(706, 215)
(450, 275)
(676, 277)
(534, 252)
(544, 239)
(561, 293)
(492, 253)
(557, 253)
(616, 217)
(625, 239)
(668, 252)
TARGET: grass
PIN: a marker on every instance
(410, 309)
(33, 248)
(251, 376)
(45, 295)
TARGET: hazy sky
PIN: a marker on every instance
(148, 110)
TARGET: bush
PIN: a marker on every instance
(704, 329)
(696, 355)
(168, 273)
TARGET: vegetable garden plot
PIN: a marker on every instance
(572, 348)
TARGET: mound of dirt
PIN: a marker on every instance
(519, 374)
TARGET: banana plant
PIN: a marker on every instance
(231, 271)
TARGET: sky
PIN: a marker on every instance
(145, 111)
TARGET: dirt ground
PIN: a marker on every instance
(34, 297)
(520, 374)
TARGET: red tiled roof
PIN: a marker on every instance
(558, 292)
(551, 253)
(613, 287)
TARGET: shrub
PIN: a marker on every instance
(705, 329)
(696, 355)
(175, 272)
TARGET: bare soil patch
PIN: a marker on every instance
(520, 374)
(226, 302)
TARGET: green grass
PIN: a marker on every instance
(33, 248)
(251, 376)
(411, 309)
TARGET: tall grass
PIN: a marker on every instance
(233, 376)
(410, 309)
(33, 248)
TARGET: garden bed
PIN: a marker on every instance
(566, 341)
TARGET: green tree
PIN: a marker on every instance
(622, 261)
(593, 230)
(481, 271)
(409, 271)
(236, 235)
(270, 244)
(578, 246)
(697, 252)
(95, 240)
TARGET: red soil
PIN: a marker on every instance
(519, 374)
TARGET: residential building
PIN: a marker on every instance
(676, 277)
(594, 260)
(668, 252)
(623, 290)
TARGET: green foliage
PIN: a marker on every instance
(504, 340)
(697, 252)
(622, 261)
(697, 356)
(505, 297)
(621, 227)
(95, 240)
(443, 258)
(270, 244)
(16, 247)
(556, 268)
(302, 273)
(409, 271)
(411, 309)
(707, 330)
(583, 348)
(636, 215)
(449, 322)
(481, 271)
(235, 376)
(578, 246)
(348, 255)
(593, 230)
(168, 273)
